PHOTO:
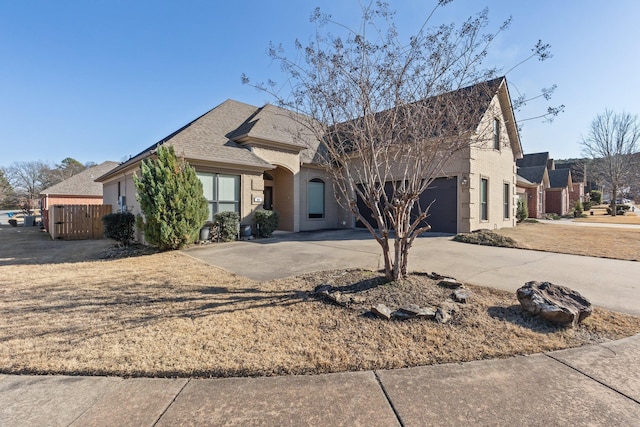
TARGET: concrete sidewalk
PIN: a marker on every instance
(594, 385)
(608, 283)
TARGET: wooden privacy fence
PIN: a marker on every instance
(77, 222)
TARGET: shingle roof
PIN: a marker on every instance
(534, 159)
(534, 174)
(559, 178)
(272, 123)
(83, 183)
(206, 138)
(220, 134)
(577, 170)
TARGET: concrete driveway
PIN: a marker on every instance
(607, 283)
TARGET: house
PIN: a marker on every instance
(247, 158)
(547, 189)
(578, 181)
(251, 158)
(559, 192)
(79, 189)
(532, 182)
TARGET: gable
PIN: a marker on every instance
(559, 178)
(534, 159)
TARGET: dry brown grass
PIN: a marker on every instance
(616, 243)
(170, 315)
(600, 216)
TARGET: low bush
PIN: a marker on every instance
(522, 213)
(119, 226)
(266, 222)
(620, 209)
(579, 208)
(229, 223)
(487, 238)
(596, 196)
(586, 206)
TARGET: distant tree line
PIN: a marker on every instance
(22, 182)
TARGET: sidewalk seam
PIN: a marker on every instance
(172, 401)
(105, 393)
(592, 378)
(386, 395)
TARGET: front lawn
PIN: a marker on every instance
(603, 242)
(167, 314)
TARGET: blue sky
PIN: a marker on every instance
(101, 80)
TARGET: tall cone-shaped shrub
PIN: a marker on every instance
(171, 199)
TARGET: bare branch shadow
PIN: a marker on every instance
(516, 315)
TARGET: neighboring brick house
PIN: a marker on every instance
(532, 182)
(578, 181)
(548, 189)
(80, 189)
(251, 158)
(559, 192)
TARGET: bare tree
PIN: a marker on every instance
(389, 114)
(27, 180)
(612, 141)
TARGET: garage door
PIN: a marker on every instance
(443, 215)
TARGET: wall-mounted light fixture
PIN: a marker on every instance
(464, 181)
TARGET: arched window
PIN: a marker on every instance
(315, 196)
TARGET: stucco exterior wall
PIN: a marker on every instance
(499, 168)
(251, 187)
(286, 184)
(331, 208)
(127, 189)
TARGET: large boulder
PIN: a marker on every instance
(555, 303)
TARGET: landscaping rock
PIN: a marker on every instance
(450, 283)
(555, 303)
(426, 313)
(436, 276)
(401, 315)
(442, 315)
(410, 311)
(461, 295)
(382, 311)
(450, 306)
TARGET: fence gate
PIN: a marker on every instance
(77, 222)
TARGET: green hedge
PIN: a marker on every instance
(229, 222)
(119, 226)
(266, 222)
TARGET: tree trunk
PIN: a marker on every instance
(614, 208)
